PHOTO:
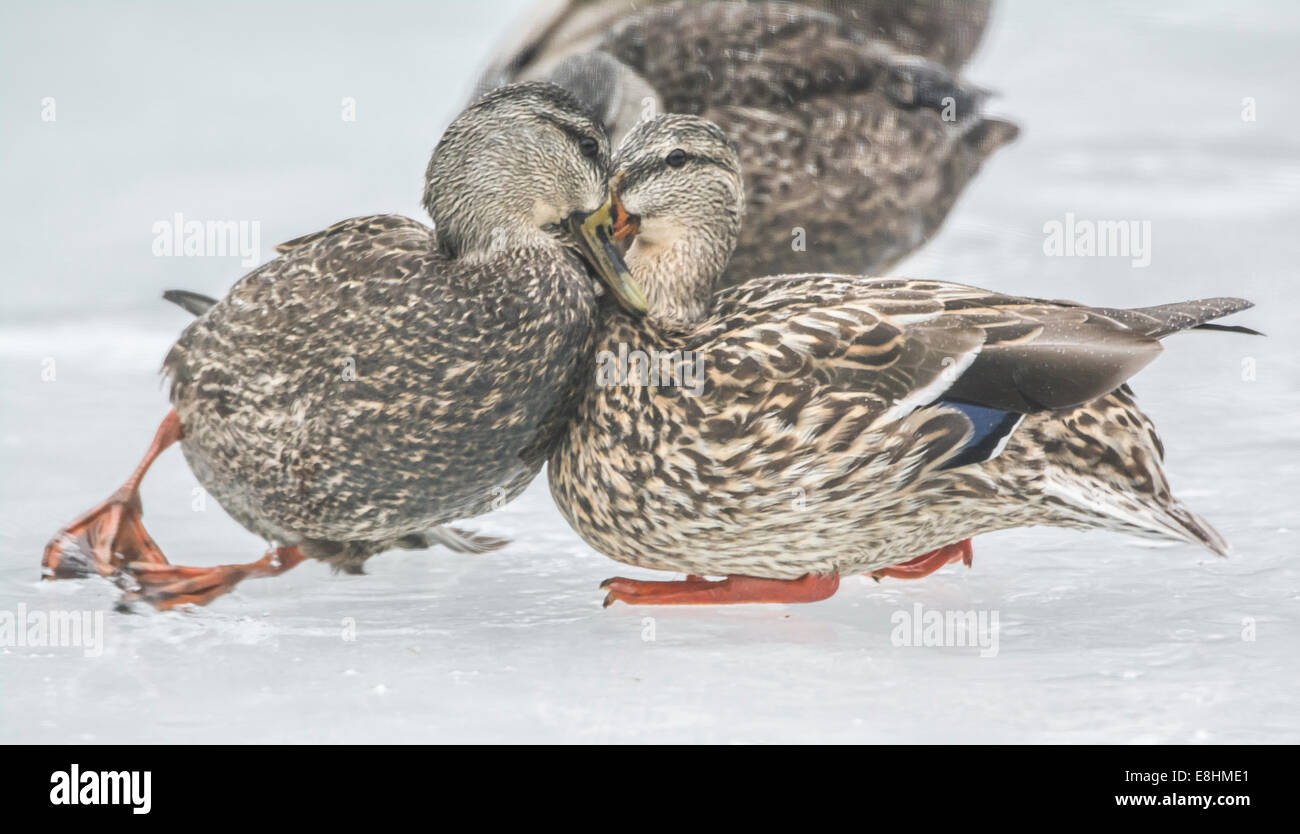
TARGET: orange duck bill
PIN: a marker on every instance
(625, 225)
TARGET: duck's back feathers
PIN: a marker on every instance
(353, 228)
(912, 342)
(774, 55)
(338, 234)
(942, 31)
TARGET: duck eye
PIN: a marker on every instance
(589, 147)
(676, 158)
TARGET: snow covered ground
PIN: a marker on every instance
(1128, 113)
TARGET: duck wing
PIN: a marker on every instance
(944, 32)
(904, 344)
(810, 334)
(1048, 355)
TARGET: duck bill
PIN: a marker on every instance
(625, 225)
(595, 235)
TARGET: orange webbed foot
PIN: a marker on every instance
(112, 534)
(733, 590)
(167, 586)
(101, 542)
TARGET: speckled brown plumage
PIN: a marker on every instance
(843, 422)
(375, 408)
(853, 150)
(944, 31)
(809, 451)
(376, 381)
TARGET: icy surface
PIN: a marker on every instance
(1128, 113)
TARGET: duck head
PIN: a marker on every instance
(526, 166)
(678, 194)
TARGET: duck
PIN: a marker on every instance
(380, 379)
(795, 429)
(855, 131)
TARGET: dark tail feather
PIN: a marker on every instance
(1229, 328)
(191, 302)
(1164, 319)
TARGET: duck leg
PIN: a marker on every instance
(695, 590)
(928, 563)
(119, 547)
(166, 586)
(111, 533)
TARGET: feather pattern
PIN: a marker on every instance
(821, 439)
(344, 419)
(366, 387)
(839, 423)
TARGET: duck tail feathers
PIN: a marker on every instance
(1099, 505)
(1191, 528)
(1186, 315)
(456, 539)
(192, 302)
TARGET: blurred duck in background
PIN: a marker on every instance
(854, 131)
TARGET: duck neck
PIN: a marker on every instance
(678, 275)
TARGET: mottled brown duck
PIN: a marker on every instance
(795, 429)
(853, 148)
(941, 31)
(378, 380)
